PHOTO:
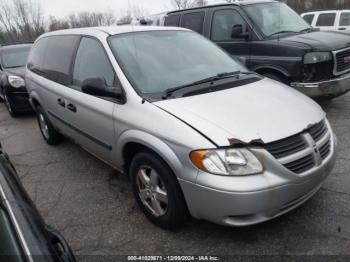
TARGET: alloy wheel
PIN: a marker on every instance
(43, 126)
(152, 191)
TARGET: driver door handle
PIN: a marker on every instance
(61, 102)
(72, 108)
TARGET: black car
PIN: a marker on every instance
(273, 40)
(12, 85)
(24, 236)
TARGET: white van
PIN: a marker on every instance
(329, 20)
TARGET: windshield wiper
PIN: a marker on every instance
(308, 30)
(220, 76)
(282, 32)
(10, 67)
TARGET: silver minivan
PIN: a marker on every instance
(195, 131)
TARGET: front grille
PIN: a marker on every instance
(318, 131)
(340, 64)
(297, 153)
(325, 149)
(301, 165)
(286, 146)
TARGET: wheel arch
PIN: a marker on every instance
(132, 142)
(272, 69)
(34, 100)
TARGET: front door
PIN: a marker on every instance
(90, 117)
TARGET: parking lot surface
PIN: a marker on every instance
(91, 204)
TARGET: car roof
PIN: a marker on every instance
(240, 3)
(112, 30)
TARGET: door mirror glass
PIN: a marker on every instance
(98, 87)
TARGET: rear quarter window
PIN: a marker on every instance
(309, 18)
(58, 58)
(193, 21)
(326, 19)
(172, 20)
(36, 56)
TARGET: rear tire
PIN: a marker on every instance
(49, 133)
(157, 191)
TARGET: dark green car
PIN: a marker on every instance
(24, 236)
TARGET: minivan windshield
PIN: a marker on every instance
(275, 18)
(156, 61)
(16, 57)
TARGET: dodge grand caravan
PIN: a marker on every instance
(195, 131)
(275, 41)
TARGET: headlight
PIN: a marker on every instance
(228, 162)
(317, 57)
(16, 81)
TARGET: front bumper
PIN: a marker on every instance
(20, 100)
(330, 88)
(248, 200)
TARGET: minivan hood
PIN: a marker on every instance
(262, 111)
(321, 40)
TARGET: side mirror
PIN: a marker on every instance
(98, 87)
(237, 32)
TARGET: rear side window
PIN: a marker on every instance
(172, 20)
(326, 19)
(92, 62)
(223, 22)
(36, 56)
(193, 21)
(58, 58)
(344, 19)
(309, 18)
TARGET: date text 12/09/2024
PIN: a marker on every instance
(173, 258)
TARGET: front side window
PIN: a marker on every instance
(309, 18)
(326, 19)
(16, 57)
(275, 18)
(345, 19)
(155, 61)
(193, 21)
(92, 62)
(58, 58)
(223, 23)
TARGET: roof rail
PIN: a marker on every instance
(16, 43)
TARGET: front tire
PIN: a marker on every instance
(9, 106)
(157, 191)
(49, 133)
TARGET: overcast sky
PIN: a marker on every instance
(64, 7)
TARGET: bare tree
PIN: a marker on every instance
(21, 21)
(57, 24)
(183, 4)
(89, 19)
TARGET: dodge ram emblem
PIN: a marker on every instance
(347, 60)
